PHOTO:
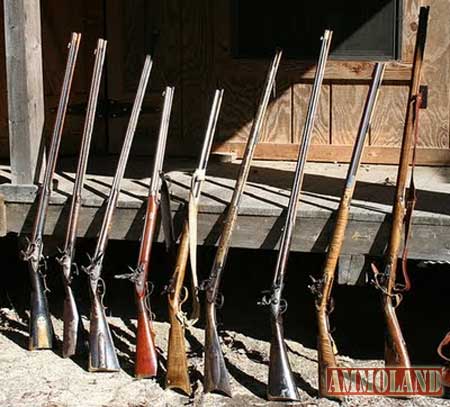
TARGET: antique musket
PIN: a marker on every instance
(281, 384)
(322, 288)
(102, 354)
(396, 353)
(72, 321)
(146, 358)
(177, 367)
(216, 374)
(40, 325)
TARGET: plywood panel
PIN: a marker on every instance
(346, 111)
(277, 126)
(389, 116)
(410, 16)
(434, 121)
(302, 94)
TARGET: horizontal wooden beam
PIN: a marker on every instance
(333, 153)
(335, 70)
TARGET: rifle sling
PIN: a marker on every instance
(410, 200)
(197, 177)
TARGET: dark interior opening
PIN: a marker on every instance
(365, 30)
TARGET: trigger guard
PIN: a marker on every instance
(185, 296)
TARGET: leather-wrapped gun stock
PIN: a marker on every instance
(102, 354)
(40, 326)
(72, 321)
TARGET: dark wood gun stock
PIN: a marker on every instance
(281, 384)
(146, 360)
(41, 328)
(102, 353)
(177, 366)
(216, 373)
(40, 325)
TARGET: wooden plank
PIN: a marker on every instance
(347, 105)
(277, 126)
(333, 153)
(25, 87)
(311, 233)
(389, 116)
(4, 142)
(409, 28)
(58, 21)
(150, 26)
(321, 133)
(196, 65)
(434, 121)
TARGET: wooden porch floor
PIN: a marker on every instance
(263, 206)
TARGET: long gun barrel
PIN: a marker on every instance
(396, 353)
(71, 317)
(146, 360)
(177, 367)
(102, 354)
(40, 327)
(281, 384)
(216, 374)
(325, 343)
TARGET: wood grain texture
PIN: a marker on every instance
(347, 105)
(409, 29)
(389, 116)
(277, 126)
(58, 21)
(4, 152)
(321, 132)
(434, 121)
(25, 87)
(197, 52)
(134, 29)
(335, 153)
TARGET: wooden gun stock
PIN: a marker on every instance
(177, 365)
(281, 384)
(146, 360)
(41, 329)
(216, 374)
(102, 354)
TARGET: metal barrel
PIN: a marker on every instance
(162, 139)
(115, 187)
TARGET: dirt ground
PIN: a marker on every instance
(44, 378)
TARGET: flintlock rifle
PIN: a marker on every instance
(322, 288)
(281, 384)
(396, 353)
(216, 374)
(146, 359)
(177, 367)
(40, 326)
(102, 354)
(71, 317)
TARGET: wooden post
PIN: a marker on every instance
(25, 87)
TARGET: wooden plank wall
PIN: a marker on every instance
(194, 53)
(342, 98)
